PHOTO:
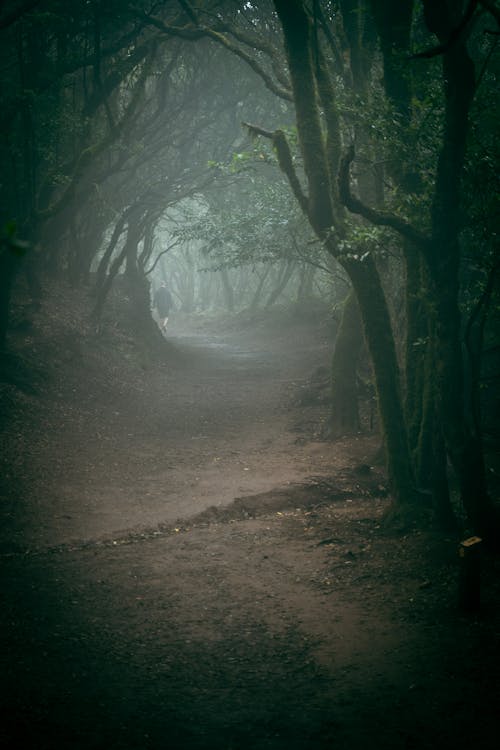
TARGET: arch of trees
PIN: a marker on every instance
(379, 116)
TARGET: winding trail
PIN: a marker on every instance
(214, 423)
(304, 626)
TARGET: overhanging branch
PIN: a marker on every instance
(193, 33)
(285, 160)
(163, 252)
(379, 218)
(456, 34)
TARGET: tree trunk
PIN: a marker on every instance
(188, 282)
(416, 345)
(257, 296)
(306, 281)
(284, 277)
(380, 342)
(107, 255)
(227, 289)
(319, 207)
(464, 448)
(205, 295)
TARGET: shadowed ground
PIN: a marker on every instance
(187, 563)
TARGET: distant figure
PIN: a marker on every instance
(163, 302)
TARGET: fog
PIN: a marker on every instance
(249, 367)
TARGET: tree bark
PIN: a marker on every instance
(284, 276)
(380, 342)
(464, 448)
(363, 275)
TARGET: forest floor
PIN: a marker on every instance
(189, 564)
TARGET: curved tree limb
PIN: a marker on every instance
(298, 46)
(255, 130)
(285, 160)
(379, 218)
(170, 247)
(192, 33)
(274, 87)
(255, 43)
(104, 262)
(454, 37)
(252, 41)
(89, 154)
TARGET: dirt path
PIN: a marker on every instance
(287, 618)
(212, 424)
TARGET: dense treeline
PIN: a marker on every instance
(108, 123)
(381, 118)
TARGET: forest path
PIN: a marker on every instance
(211, 425)
(286, 620)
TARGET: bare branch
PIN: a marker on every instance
(167, 250)
(255, 130)
(192, 34)
(90, 154)
(257, 43)
(274, 87)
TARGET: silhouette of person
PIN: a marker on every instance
(163, 302)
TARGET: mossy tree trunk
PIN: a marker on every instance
(425, 431)
(443, 259)
(416, 345)
(382, 349)
(393, 19)
(310, 80)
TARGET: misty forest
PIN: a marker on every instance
(249, 374)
